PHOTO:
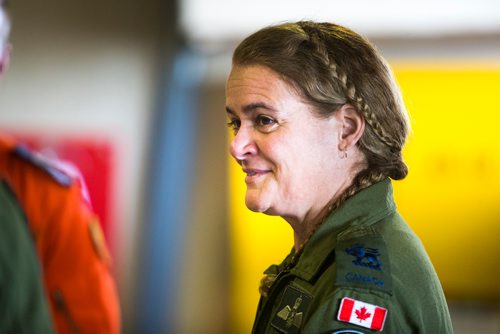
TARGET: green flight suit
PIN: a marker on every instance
(366, 252)
(23, 305)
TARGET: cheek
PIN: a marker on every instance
(306, 167)
(293, 161)
(291, 171)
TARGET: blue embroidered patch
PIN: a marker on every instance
(363, 262)
(347, 331)
(353, 277)
(365, 257)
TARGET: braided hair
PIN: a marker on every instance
(329, 66)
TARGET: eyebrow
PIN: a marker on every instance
(252, 107)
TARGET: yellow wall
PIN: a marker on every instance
(451, 196)
(257, 242)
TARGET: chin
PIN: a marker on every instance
(255, 207)
(256, 203)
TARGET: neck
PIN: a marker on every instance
(304, 231)
(305, 226)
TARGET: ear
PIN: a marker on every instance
(352, 126)
(5, 58)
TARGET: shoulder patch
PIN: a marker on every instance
(44, 164)
(291, 310)
(98, 240)
(363, 262)
(362, 314)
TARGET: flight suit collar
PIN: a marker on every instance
(365, 208)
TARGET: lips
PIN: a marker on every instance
(254, 174)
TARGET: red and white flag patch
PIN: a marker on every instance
(362, 314)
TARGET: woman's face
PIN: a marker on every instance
(289, 155)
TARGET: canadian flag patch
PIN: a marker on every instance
(362, 314)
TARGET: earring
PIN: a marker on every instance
(343, 153)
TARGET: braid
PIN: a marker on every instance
(363, 180)
(359, 103)
(318, 39)
(336, 49)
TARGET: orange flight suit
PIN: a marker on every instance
(70, 245)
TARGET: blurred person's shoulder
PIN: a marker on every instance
(51, 170)
(18, 163)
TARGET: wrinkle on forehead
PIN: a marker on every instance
(256, 83)
(252, 84)
(291, 85)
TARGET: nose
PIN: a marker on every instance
(243, 144)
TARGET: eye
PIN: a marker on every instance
(264, 121)
(234, 124)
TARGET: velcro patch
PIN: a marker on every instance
(291, 310)
(362, 314)
(363, 262)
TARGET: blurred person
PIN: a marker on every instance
(319, 127)
(70, 245)
(23, 306)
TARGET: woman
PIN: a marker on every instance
(318, 129)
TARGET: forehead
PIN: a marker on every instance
(257, 82)
(252, 75)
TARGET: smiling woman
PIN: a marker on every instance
(318, 130)
(277, 136)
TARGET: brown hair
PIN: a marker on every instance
(330, 65)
